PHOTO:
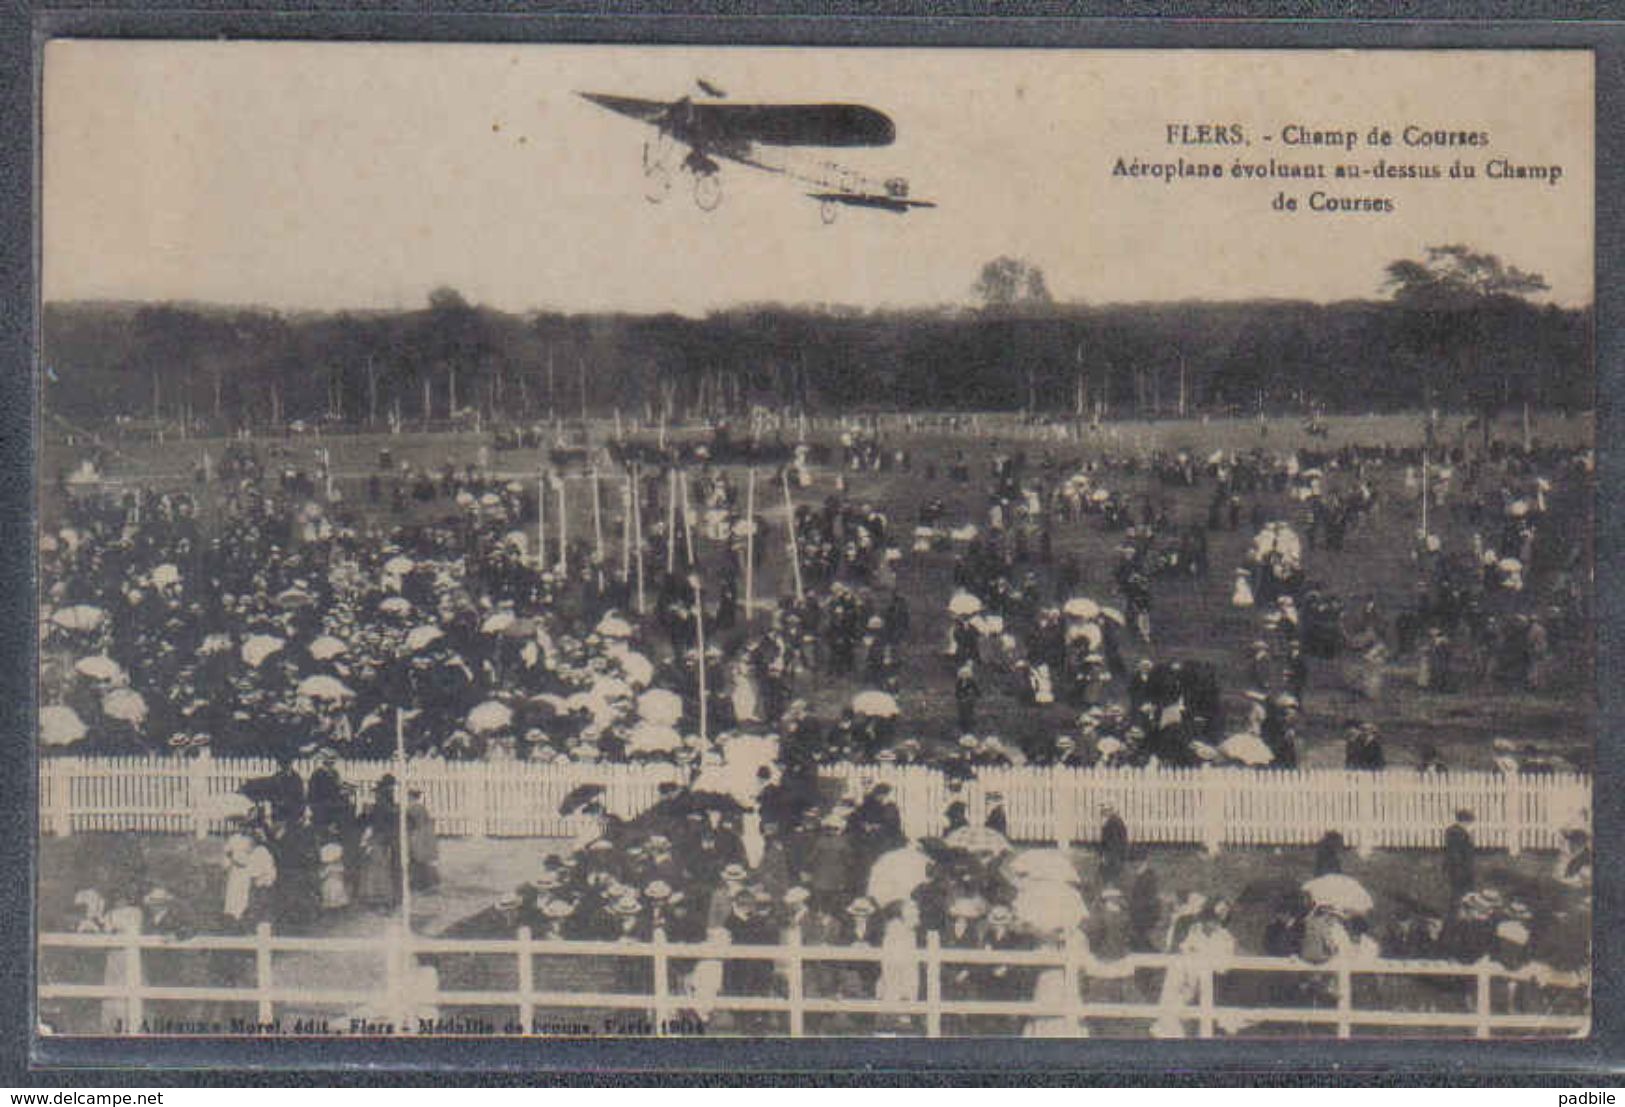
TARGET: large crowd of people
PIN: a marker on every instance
(259, 612)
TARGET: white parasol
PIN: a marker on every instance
(489, 717)
(896, 874)
(125, 704)
(165, 575)
(498, 622)
(422, 637)
(399, 566)
(1049, 907)
(1342, 893)
(978, 839)
(660, 707)
(395, 605)
(326, 648)
(81, 616)
(877, 705)
(327, 688)
(613, 626)
(60, 725)
(1042, 866)
(638, 670)
(1247, 748)
(963, 603)
(291, 598)
(99, 667)
(1082, 607)
(260, 646)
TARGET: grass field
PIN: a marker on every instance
(1192, 619)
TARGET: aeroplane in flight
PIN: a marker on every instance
(696, 137)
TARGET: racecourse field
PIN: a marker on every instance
(1192, 619)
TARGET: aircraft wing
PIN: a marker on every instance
(870, 200)
(797, 124)
(644, 111)
(733, 125)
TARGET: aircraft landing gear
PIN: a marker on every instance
(707, 191)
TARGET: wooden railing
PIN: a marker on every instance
(405, 996)
(1209, 807)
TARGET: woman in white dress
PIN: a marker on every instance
(123, 918)
(899, 957)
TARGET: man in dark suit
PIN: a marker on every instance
(1459, 855)
(1113, 845)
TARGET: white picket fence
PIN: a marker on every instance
(391, 986)
(1208, 807)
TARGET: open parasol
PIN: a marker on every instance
(125, 704)
(579, 797)
(1081, 607)
(290, 599)
(1048, 907)
(260, 646)
(613, 626)
(99, 667)
(1339, 892)
(325, 688)
(80, 616)
(60, 725)
(963, 603)
(165, 575)
(896, 874)
(876, 705)
(395, 605)
(1042, 866)
(326, 648)
(498, 622)
(419, 638)
(660, 707)
(979, 840)
(1249, 749)
(489, 717)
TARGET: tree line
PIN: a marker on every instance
(1431, 343)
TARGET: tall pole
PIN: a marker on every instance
(790, 532)
(637, 532)
(750, 544)
(564, 530)
(688, 523)
(626, 531)
(671, 522)
(541, 521)
(597, 521)
(403, 851)
(1424, 492)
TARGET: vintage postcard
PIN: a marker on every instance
(628, 541)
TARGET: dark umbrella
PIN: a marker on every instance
(580, 797)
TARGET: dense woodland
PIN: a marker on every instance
(227, 367)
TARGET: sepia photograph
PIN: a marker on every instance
(607, 541)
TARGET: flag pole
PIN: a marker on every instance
(671, 522)
(564, 530)
(750, 544)
(790, 531)
(637, 531)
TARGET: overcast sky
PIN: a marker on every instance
(356, 176)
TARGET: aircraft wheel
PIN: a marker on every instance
(828, 210)
(656, 184)
(707, 192)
